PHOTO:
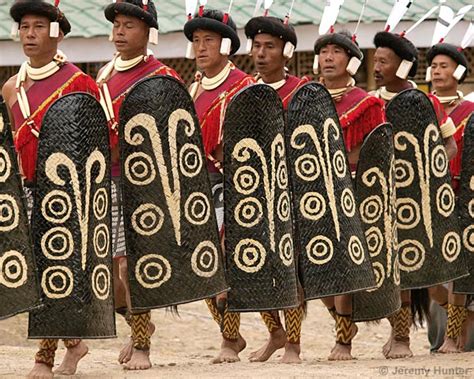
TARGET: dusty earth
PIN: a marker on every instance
(183, 346)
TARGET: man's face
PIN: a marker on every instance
(267, 53)
(207, 45)
(34, 36)
(130, 35)
(333, 60)
(442, 69)
(386, 64)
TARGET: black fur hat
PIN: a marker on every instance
(133, 8)
(273, 26)
(451, 51)
(401, 46)
(343, 39)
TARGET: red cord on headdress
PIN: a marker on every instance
(331, 29)
(56, 3)
(145, 5)
(354, 38)
(265, 14)
(387, 29)
(225, 18)
(201, 10)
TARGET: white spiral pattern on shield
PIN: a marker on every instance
(471, 208)
(356, 250)
(282, 176)
(468, 238)
(371, 209)
(9, 213)
(411, 254)
(57, 243)
(147, 219)
(56, 207)
(396, 271)
(250, 255)
(246, 180)
(404, 173)
(248, 212)
(408, 213)
(57, 282)
(285, 248)
(439, 161)
(139, 169)
(445, 200)
(197, 209)
(152, 271)
(451, 246)
(205, 259)
(101, 240)
(5, 165)
(339, 164)
(283, 207)
(379, 273)
(101, 280)
(320, 250)
(312, 206)
(13, 269)
(348, 203)
(375, 241)
(307, 167)
(100, 203)
(190, 160)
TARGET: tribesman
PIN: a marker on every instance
(135, 24)
(213, 38)
(273, 42)
(359, 113)
(42, 79)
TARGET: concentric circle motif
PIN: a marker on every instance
(411, 254)
(13, 269)
(249, 255)
(319, 250)
(248, 212)
(152, 271)
(408, 213)
(445, 200)
(57, 282)
(471, 208)
(396, 271)
(375, 241)
(101, 203)
(468, 238)
(379, 273)
(9, 213)
(56, 207)
(312, 206)
(246, 180)
(57, 243)
(356, 250)
(197, 209)
(439, 161)
(147, 219)
(190, 160)
(101, 240)
(283, 207)
(282, 176)
(451, 246)
(404, 173)
(139, 169)
(205, 259)
(101, 282)
(285, 248)
(5, 165)
(307, 167)
(339, 164)
(371, 209)
(348, 204)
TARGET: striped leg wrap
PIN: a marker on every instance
(230, 325)
(46, 352)
(457, 314)
(141, 331)
(401, 323)
(344, 329)
(271, 320)
(211, 304)
(293, 321)
(68, 343)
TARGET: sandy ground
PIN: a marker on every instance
(183, 347)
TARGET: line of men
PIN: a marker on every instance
(48, 75)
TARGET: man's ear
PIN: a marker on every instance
(60, 36)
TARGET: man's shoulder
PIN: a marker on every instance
(8, 89)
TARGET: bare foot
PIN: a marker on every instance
(449, 346)
(387, 346)
(354, 329)
(399, 349)
(276, 341)
(126, 353)
(292, 353)
(140, 360)
(71, 359)
(41, 371)
(230, 351)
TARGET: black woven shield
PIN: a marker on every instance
(428, 230)
(376, 199)
(466, 208)
(72, 222)
(329, 235)
(258, 226)
(173, 248)
(18, 285)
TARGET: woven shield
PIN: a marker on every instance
(18, 284)
(429, 235)
(376, 199)
(466, 208)
(334, 258)
(173, 247)
(72, 222)
(258, 223)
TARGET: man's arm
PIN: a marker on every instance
(451, 147)
(8, 94)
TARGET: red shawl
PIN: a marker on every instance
(290, 87)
